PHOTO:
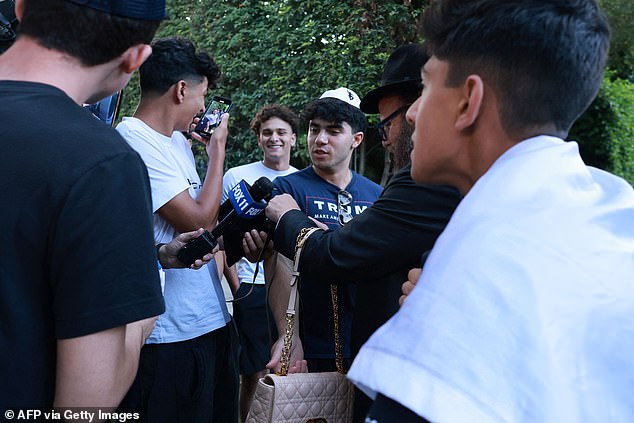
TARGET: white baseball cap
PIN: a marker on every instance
(343, 94)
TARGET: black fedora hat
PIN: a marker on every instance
(401, 72)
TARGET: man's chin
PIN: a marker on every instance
(321, 165)
(421, 176)
(273, 153)
(274, 158)
(319, 158)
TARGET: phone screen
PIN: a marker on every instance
(107, 109)
(213, 115)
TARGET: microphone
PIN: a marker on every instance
(244, 202)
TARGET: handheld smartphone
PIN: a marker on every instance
(213, 115)
(197, 248)
(107, 109)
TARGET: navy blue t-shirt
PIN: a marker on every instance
(318, 199)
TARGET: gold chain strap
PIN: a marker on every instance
(335, 313)
(303, 235)
(286, 351)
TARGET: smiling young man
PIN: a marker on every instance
(525, 308)
(275, 128)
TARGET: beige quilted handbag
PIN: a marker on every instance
(325, 397)
(302, 397)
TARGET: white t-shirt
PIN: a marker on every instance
(194, 300)
(525, 308)
(249, 173)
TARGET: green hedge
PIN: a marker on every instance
(289, 51)
(605, 132)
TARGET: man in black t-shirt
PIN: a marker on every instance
(79, 287)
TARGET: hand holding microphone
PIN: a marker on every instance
(244, 202)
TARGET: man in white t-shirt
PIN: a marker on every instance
(276, 130)
(188, 367)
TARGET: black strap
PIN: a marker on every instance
(255, 274)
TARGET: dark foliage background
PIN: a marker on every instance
(290, 51)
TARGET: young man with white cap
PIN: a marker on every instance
(79, 285)
(407, 217)
(331, 193)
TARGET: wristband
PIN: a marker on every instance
(158, 256)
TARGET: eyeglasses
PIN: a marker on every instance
(344, 208)
(383, 127)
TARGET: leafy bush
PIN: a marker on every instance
(606, 131)
(290, 51)
(620, 14)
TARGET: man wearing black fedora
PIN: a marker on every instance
(400, 86)
(377, 248)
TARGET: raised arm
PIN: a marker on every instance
(187, 214)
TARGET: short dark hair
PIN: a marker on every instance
(543, 58)
(337, 111)
(174, 59)
(88, 35)
(275, 111)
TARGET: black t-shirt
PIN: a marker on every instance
(77, 254)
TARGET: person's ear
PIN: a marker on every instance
(357, 138)
(19, 9)
(470, 102)
(293, 139)
(134, 56)
(180, 91)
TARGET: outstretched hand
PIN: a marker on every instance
(253, 242)
(279, 205)
(167, 253)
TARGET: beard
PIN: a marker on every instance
(402, 146)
